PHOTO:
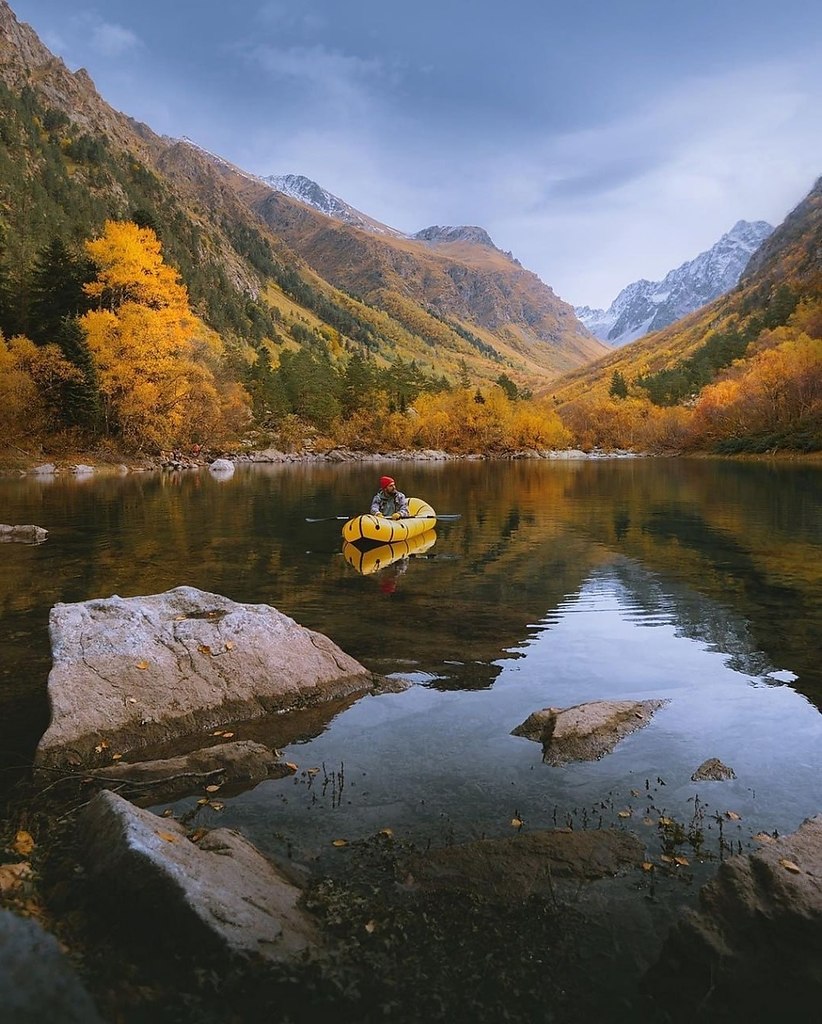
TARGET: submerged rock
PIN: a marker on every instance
(529, 863)
(754, 949)
(23, 534)
(239, 765)
(219, 894)
(713, 770)
(585, 732)
(143, 670)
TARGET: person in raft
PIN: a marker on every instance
(388, 501)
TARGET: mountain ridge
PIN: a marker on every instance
(645, 306)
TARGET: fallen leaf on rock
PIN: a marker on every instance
(23, 843)
(116, 757)
(733, 816)
(312, 771)
(101, 746)
(142, 664)
(229, 645)
(387, 832)
(624, 814)
(764, 837)
(648, 821)
(789, 865)
(219, 732)
(666, 859)
(212, 788)
(204, 649)
(291, 766)
(665, 822)
(635, 792)
(227, 735)
(371, 926)
(203, 800)
(516, 822)
(647, 865)
(12, 876)
(179, 618)
(168, 837)
(167, 813)
(683, 862)
(340, 842)
(215, 806)
(132, 700)
(198, 834)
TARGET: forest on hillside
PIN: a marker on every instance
(124, 332)
(113, 350)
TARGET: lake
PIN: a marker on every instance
(695, 581)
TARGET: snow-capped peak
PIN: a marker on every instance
(645, 306)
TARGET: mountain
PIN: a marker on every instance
(776, 307)
(303, 189)
(646, 306)
(261, 266)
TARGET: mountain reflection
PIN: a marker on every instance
(728, 553)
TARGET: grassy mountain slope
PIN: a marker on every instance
(255, 262)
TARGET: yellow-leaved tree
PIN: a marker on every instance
(144, 339)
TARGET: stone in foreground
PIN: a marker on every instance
(37, 982)
(218, 895)
(754, 949)
(585, 732)
(143, 670)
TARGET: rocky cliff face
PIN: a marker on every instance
(646, 306)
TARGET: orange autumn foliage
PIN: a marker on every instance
(147, 346)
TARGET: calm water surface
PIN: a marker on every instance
(697, 582)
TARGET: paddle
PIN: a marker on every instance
(344, 519)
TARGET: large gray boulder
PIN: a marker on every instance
(585, 732)
(143, 670)
(37, 982)
(23, 534)
(219, 894)
(753, 951)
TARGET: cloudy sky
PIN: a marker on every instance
(600, 141)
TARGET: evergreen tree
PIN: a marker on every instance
(619, 386)
(57, 281)
(81, 405)
(508, 386)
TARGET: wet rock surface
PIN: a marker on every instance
(585, 732)
(137, 671)
(528, 863)
(755, 945)
(713, 770)
(238, 765)
(23, 534)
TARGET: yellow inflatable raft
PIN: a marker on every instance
(368, 560)
(388, 531)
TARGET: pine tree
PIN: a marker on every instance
(57, 290)
(81, 404)
(619, 386)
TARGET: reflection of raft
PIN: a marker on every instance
(368, 560)
(388, 531)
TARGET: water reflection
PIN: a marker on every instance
(725, 555)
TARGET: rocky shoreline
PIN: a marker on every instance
(128, 673)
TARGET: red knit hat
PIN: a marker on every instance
(386, 481)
